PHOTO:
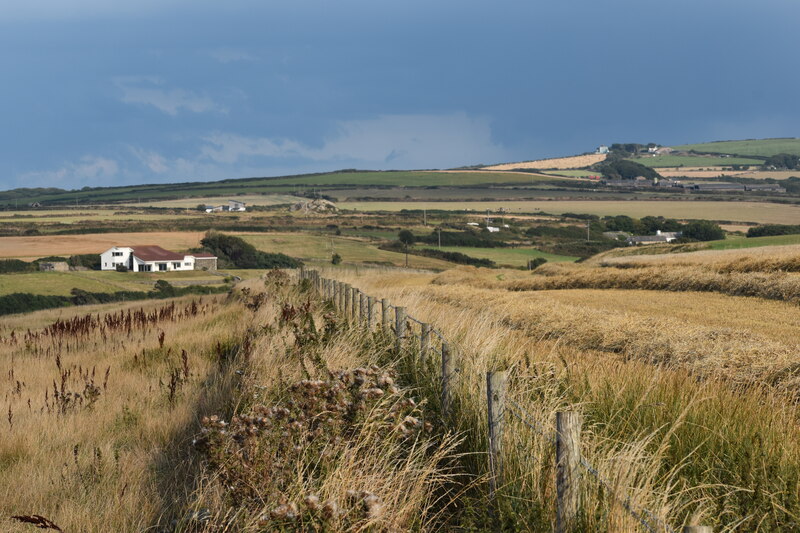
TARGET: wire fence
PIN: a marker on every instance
(408, 328)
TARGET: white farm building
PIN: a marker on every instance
(154, 259)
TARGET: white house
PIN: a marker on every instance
(234, 205)
(153, 259)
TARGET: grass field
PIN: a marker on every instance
(249, 199)
(72, 217)
(61, 283)
(757, 147)
(694, 161)
(573, 173)
(320, 248)
(515, 257)
(735, 243)
(760, 212)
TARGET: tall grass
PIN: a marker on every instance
(95, 405)
(684, 448)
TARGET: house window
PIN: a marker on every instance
(162, 267)
(176, 265)
(187, 264)
(116, 254)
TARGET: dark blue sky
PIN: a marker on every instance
(97, 94)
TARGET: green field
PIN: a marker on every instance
(61, 283)
(515, 257)
(758, 212)
(735, 243)
(320, 248)
(660, 161)
(757, 147)
(573, 173)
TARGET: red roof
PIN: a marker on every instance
(155, 253)
(205, 255)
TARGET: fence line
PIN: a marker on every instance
(357, 308)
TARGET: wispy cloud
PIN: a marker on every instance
(89, 170)
(150, 90)
(232, 55)
(387, 141)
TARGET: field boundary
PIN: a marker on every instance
(421, 340)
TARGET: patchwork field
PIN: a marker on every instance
(760, 212)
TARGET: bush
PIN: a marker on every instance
(122, 268)
(91, 261)
(625, 169)
(703, 230)
(236, 252)
(533, 264)
(773, 229)
(336, 259)
(15, 265)
(462, 238)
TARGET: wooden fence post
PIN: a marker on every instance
(343, 298)
(348, 296)
(399, 327)
(354, 303)
(362, 307)
(336, 294)
(384, 314)
(698, 529)
(424, 341)
(568, 463)
(448, 377)
(495, 403)
(370, 311)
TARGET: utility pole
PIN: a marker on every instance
(588, 222)
(440, 237)
(424, 217)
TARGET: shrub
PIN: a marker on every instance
(336, 259)
(240, 254)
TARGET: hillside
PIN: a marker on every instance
(750, 147)
(267, 185)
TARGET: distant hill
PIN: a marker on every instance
(276, 185)
(751, 147)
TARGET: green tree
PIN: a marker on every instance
(703, 230)
(336, 259)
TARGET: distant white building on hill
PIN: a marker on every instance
(152, 258)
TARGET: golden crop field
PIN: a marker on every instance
(759, 212)
(560, 163)
(65, 245)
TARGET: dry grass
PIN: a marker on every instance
(100, 411)
(96, 406)
(559, 163)
(676, 444)
(784, 258)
